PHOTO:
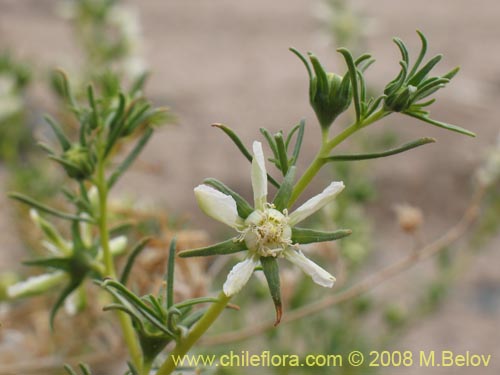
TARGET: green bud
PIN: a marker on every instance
(401, 100)
(329, 94)
(79, 162)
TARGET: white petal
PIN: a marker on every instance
(36, 284)
(239, 276)
(317, 202)
(318, 274)
(217, 205)
(259, 177)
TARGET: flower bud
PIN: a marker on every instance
(401, 100)
(80, 163)
(329, 94)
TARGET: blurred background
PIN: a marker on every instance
(222, 61)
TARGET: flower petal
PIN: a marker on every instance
(316, 202)
(36, 284)
(217, 205)
(318, 274)
(239, 276)
(259, 177)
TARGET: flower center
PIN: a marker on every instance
(267, 232)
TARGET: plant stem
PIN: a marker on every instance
(326, 147)
(176, 356)
(125, 322)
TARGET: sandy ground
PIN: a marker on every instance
(227, 61)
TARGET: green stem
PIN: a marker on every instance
(109, 267)
(176, 356)
(326, 147)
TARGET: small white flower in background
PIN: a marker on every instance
(266, 232)
(489, 172)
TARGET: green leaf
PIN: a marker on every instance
(236, 140)
(139, 82)
(272, 273)
(354, 80)
(195, 301)
(422, 73)
(132, 369)
(170, 274)
(440, 124)
(403, 50)
(298, 143)
(230, 246)
(304, 60)
(375, 155)
(69, 370)
(57, 129)
(141, 307)
(138, 248)
(63, 264)
(305, 236)
(74, 283)
(271, 142)
(130, 158)
(243, 207)
(39, 206)
(423, 51)
(85, 369)
(282, 154)
(285, 191)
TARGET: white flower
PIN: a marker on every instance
(266, 231)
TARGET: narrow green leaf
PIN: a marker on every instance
(243, 207)
(85, 369)
(305, 236)
(141, 307)
(423, 51)
(39, 206)
(60, 300)
(290, 135)
(230, 246)
(136, 318)
(130, 158)
(132, 369)
(403, 50)
(272, 273)
(354, 80)
(170, 273)
(440, 124)
(270, 141)
(236, 140)
(192, 318)
(67, 93)
(422, 73)
(452, 73)
(138, 248)
(304, 60)
(69, 370)
(95, 113)
(63, 264)
(375, 155)
(139, 82)
(285, 191)
(57, 129)
(282, 154)
(298, 142)
(195, 301)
